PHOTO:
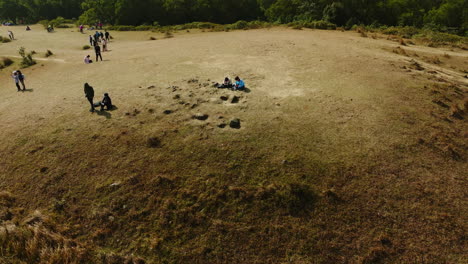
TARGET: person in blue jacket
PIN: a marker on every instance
(240, 85)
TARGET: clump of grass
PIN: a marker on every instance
(27, 59)
(297, 27)
(400, 51)
(434, 60)
(402, 42)
(6, 61)
(446, 55)
(86, 47)
(362, 32)
(4, 40)
(459, 110)
(168, 34)
(48, 53)
(152, 38)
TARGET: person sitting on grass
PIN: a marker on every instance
(88, 60)
(240, 85)
(106, 102)
(226, 84)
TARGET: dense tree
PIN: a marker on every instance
(435, 13)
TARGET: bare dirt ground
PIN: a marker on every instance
(351, 149)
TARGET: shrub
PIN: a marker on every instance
(86, 47)
(320, 24)
(152, 38)
(27, 59)
(7, 61)
(168, 35)
(5, 40)
(143, 28)
(241, 24)
(122, 28)
(48, 53)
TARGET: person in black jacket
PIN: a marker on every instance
(106, 102)
(97, 49)
(89, 94)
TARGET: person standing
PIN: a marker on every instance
(89, 94)
(104, 44)
(81, 29)
(91, 41)
(14, 75)
(97, 50)
(107, 35)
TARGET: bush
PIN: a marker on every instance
(143, 28)
(4, 40)
(122, 28)
(27, 59)
(86, 47)
(168, 35)
(48, 53)
(241, 24)
(6, 61)
(320, 24)
(152, 38)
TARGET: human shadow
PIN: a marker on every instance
(104, 113)
(28, 90)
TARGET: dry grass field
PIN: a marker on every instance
(351, 150)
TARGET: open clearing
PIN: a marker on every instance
(350, 150)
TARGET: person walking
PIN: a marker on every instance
(14, 75)
(21, 79)
(89, 94)
(11, 35)
(97, 50)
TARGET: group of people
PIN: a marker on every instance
(239, 84)
(19, 78)
(89, 94)
(95, 41)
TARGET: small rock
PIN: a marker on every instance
(235, 123)
(200, 116)
(115, 184)
(222, 125)
(154, 142)
(111, 218)
(235, 100)
(224, 98)
(151, 87)
(177, 96)
(168, 112)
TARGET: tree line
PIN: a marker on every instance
(438, 14)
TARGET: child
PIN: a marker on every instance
(87, 59)
(240, 85)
